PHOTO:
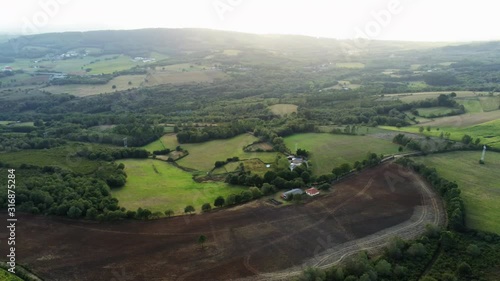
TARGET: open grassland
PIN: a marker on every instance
(59, 156)
(283, 109)
(329, 151)
(159, 186)
(82, 90)
(487, 132)
(167, 141)
(480, 184)
(231, 53)
(202, 156)
(434, 111)
(110, 65)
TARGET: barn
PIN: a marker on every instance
(290, 193)
(312, 191)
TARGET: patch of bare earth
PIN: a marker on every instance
(255, 241)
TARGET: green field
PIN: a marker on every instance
(202, 156)
(283, 109)
(82, 90)
(471, 105)
(487, 132)
(329, 151)
(7, 276)
(119, 63)
(480, 184)
(59, 156)
(434, 111)
(159, 186)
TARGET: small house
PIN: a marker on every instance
(312, 191)
(287, 195)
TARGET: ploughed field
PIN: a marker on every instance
(253, 241)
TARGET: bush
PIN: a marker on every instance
(206, 207)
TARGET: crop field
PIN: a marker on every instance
(159, 186)
(329, 151)
(255, 240)
(202, 156)
(283, 109)
(82, 90)
(480, 184)
(59, 156)
(434, 111)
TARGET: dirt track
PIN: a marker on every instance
(256, 241)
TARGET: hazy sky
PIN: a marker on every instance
(417, 20)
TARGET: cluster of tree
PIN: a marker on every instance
(21, 142)
(372, 159)
(195, 135)
(219, 164)
(401, 260)
(79, 79)
(405, 141)
(53, 191)
(111, 154)
(348, 130)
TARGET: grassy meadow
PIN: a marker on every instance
(485, 131)
(202, 156)
(159, 186)
(479, 184)
(328, 150)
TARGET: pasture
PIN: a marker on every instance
(479, 184)
(202, 156)
(485, 131)
(158, 186)
(283, 109)
(328, 151)
(82, 90)
(434, 111)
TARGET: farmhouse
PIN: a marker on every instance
(7, 68)
(289, 193)
(295, 161)
(312, 191)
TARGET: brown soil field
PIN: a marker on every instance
(256, 241)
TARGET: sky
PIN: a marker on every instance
(408, 20)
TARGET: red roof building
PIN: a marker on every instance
(312, 191)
